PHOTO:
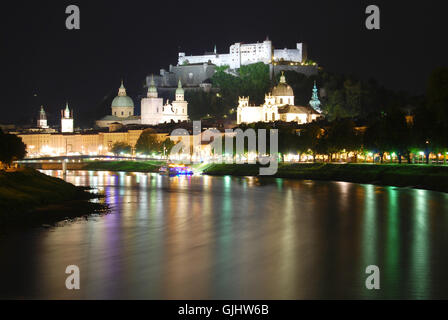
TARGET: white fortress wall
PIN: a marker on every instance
(246, 54)
(294, 55)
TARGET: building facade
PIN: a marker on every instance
(278, 106)
(122, 111)
(42, 122)
(243, 54)
(67, 123)
(154, 111)
(192, 76)
(41, 144)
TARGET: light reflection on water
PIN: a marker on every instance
(206, 237)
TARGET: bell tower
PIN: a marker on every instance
(67, 120)
(42, 121)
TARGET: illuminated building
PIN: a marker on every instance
(241, 54)
(122, 111)
(42, 121)
(66, 120)
(315, 102)
(278, 106)
(155, 112)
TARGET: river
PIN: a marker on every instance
(207, 237)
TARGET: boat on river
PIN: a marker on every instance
(174, 169)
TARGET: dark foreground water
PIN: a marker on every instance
(235, 238)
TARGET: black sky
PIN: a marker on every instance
(44, 63)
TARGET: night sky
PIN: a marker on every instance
(44, 63)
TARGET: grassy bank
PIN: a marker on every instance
(416, 176)
(28, 197)
(126, 166)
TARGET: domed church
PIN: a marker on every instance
(122, 105)
(278, 106)
(122, 111)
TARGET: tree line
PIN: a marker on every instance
(147, 144)
(12, 149)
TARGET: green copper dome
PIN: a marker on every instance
(179, 89)
(123, 101)
(152, 87)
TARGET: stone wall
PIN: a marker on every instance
(190, 75)
(306, 70)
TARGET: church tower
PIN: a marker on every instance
(67, 120)
(180, 106)
(180, 94)
(315, 102)
(152, 90)
(152, 106)
(42, 121)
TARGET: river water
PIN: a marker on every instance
(206, 237)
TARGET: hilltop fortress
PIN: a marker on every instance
(241, 54)
(195, 72)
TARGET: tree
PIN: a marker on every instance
(437, 94)
(120, 148)
(202, 104)
(335, 107)
(148, 143)
(12, 148)
(166, 146)
(251, 80)
(342, 136)
(312, 139)
(388, 132)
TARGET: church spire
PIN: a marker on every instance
(152, 89)
(180, 94)
(283, 78)
(42, 113)
(67, 111)
(122, 90)
(42, 121)
(315, 102)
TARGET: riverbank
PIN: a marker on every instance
(415, 176)
(95, 165)
(28, 197)
(125, 166)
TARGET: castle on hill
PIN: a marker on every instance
(195, 71)
(241, 54)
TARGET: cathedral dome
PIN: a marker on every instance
(122, 100)
(282, 89)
